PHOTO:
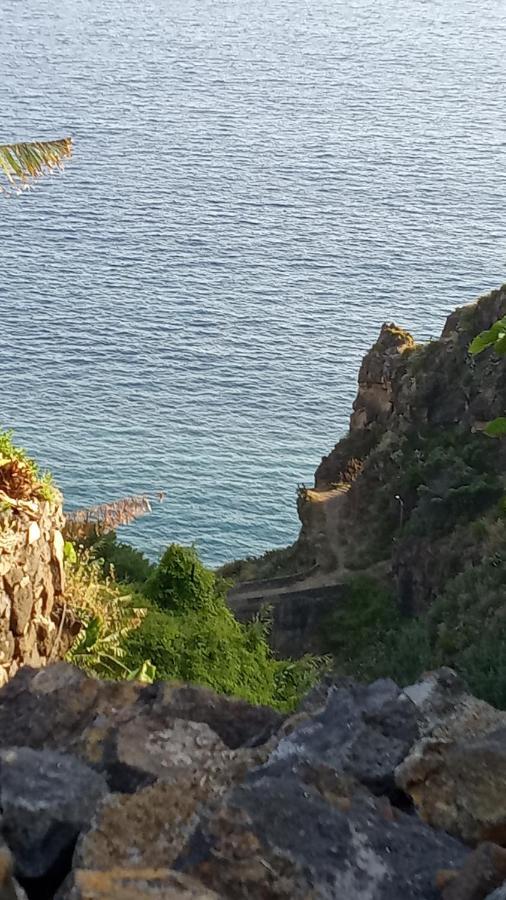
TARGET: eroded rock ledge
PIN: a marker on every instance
(120, 791)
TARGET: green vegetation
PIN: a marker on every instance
(369, 638)
(107, 614)
(464, 628)
(134, 619)
(494, 337)
(190, 634)
(9, 453)
(172, 622)
(445, 479)
(120, 560)
(20, 478)
(452, 487)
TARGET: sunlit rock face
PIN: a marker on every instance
(31, 584)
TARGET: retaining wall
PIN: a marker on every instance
(31, 583)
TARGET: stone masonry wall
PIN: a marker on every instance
(31, 583)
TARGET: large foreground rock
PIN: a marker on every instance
(148, 828)
(167, 791)
(352, 729)
(456, 774)
(56, 706)
(277, 837)
(46, 799)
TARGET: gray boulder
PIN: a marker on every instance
(456, 773)
(276, 836)
(360, 731)
(46, 799)
(499, 894)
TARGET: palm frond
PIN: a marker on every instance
(21, 164)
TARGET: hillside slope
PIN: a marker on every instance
(411, 503)
(414, 475)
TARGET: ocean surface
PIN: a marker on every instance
(256, 187)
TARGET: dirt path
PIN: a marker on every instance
(327, 515)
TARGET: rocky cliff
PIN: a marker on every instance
(119, 791)
(413, 494)
(415, 469)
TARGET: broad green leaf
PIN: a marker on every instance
(145, 673)
(481, 342)
(500, 345)
(496, 428)
(488, 338)
(69, 552)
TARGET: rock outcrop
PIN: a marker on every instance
(121, 790)
(412, 402)
(31, 583)
(403, 495)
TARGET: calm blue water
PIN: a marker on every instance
(256, 187)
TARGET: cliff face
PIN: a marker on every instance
(407, 487)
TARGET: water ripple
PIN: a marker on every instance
(256, 188)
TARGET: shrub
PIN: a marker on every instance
(181, 583)
(465, 629)
(121, 560)
(271, 564)
(190, 634)
(356, 630)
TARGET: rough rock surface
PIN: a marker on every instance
(363, 732)
(31, 583)
(414, 448)
(499, 894)
(405, 392)
(46, 799)
(482, 871)
(122, 884)
(456, 774)
(151, 825)
(412, 400)
(277, 836)
(166, 791)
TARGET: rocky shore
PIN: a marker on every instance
(121, 790)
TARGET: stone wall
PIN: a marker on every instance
(31, 583)
(297, 613)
